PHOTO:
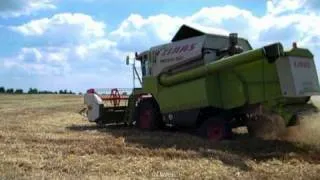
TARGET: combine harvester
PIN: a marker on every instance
(213, 83)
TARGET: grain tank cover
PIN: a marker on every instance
(186, 32)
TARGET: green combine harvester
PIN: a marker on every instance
(213, 83)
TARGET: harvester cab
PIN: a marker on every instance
(214, 83)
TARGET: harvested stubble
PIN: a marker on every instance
(43, 136)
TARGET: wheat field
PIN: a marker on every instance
(44, 137)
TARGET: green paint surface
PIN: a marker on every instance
(300, 52)
(183, 96)
(247, 78)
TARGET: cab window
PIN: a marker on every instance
(145, 66)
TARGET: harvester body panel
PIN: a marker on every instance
(298, 76)
(226, 83)
(235, 85)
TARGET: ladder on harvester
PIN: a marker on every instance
(128, 117)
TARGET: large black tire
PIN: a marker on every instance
(215, 129)
(267, 126)
(148, 116)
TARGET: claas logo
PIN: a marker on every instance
(302, 64)
(178, 49)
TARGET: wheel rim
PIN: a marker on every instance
(214, 132)
(145, 119)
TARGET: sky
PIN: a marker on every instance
(82, 44)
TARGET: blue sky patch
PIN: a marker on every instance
(79, 44)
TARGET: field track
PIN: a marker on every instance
(43, 137)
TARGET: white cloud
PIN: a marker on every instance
(78, 44)
(62, 60)
(102, 50)
(276, 7)
(41, 61)
(145, 31)
(63, 28)
(62, 42)
(137, 33)
(280, 6)
(152, 30)
(272, 27)
(225, 19)
(14, 8)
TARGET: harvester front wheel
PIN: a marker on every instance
(215, 129)
(267, 126)
(148, 115)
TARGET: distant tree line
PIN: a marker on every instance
(3, 90)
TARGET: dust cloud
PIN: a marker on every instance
(308, 132)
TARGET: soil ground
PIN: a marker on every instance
(44, 137)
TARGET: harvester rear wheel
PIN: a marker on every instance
(215, 129)
(148, 116)
(266, 126)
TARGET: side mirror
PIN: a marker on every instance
(127, 60)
